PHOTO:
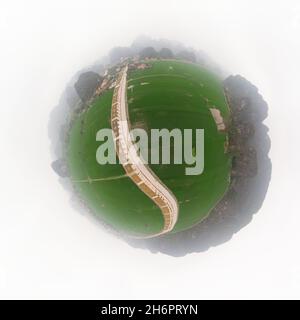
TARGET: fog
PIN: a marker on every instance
(47, 249)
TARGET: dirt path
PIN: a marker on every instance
(90, 180)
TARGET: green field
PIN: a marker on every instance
(170, 94)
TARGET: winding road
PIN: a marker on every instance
(134, 167)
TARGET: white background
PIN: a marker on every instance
(47, 250)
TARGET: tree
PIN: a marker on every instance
(87, 84)
(148, 52)
(60, 167)
(166, 53)
(71, 96)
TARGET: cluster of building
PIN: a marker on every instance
(108, 82)
(110, 75)
(216, 113)
(136, 65)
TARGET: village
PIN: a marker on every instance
(110, 75)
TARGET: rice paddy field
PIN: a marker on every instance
(169, 94)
